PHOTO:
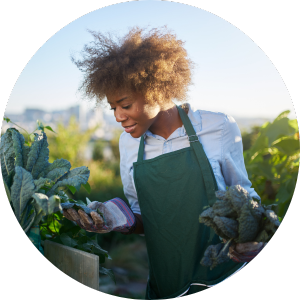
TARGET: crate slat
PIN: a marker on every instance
(80, 265)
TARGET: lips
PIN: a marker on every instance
(130, 128)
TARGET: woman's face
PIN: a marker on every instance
(130, 109)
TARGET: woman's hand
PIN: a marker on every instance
(96, 224)
(117, 216)
(245, 252)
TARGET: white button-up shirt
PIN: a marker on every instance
(221, 139)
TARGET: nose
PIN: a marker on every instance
(120, 115)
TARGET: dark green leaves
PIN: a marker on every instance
(38, 156)
(29, 219)
(67, 240)
(32, 185)
(7, 155)
(18, 142)
(49, 128)
(56, 174)
(21, 190)
(42, 127)
(56, 170)
(7, 190)
(74, 178)
(239, 219)
(41, 182)
(87, 187)
(272, 162)
(76, 188)
(72, 189)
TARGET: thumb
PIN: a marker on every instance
(248, 247)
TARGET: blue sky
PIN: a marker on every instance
(232, 74)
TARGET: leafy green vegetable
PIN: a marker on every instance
(7, 155)
(36, 189)
(73, 178)
(31, 182)
(238, 219)
(18, 143)
(67, 240)
(38, 156)
(21, 191)
(7, 191)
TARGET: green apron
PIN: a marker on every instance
(172, 190)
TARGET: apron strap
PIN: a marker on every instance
(201, 157)
(141, 150)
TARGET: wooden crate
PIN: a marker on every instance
(80, 265)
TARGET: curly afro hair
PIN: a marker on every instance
(151, 62)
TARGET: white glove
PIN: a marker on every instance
(112, 215)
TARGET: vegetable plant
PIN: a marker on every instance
(31, 181)
(237, 218)
(272, 161)
(36, 189)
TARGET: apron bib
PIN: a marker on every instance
(172, 191)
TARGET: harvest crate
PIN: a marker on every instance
(79, 265)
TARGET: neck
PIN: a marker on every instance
(166, 122)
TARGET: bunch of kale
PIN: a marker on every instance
(31, 182)
(237, 218)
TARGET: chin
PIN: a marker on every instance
(135, 135)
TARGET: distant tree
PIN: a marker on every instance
(249, 137)
(69, 142)
(98, 148)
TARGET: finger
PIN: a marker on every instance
(71, 212)
(72, 215)
(85, 219)
(242, 257)
(247, 247)
(94, 205)
(97, 220)
(66, 214)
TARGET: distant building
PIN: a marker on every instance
(86, 118)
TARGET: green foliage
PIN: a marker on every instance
(23, 184)
(272, 162)
(98, 149)
(69, 142)
(249, 138)
(36, 188)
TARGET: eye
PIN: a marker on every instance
(126, 107)
(112, 108)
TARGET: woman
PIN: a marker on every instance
(173, 158)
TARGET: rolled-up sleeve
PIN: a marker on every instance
(232, 160)
(128, 187)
